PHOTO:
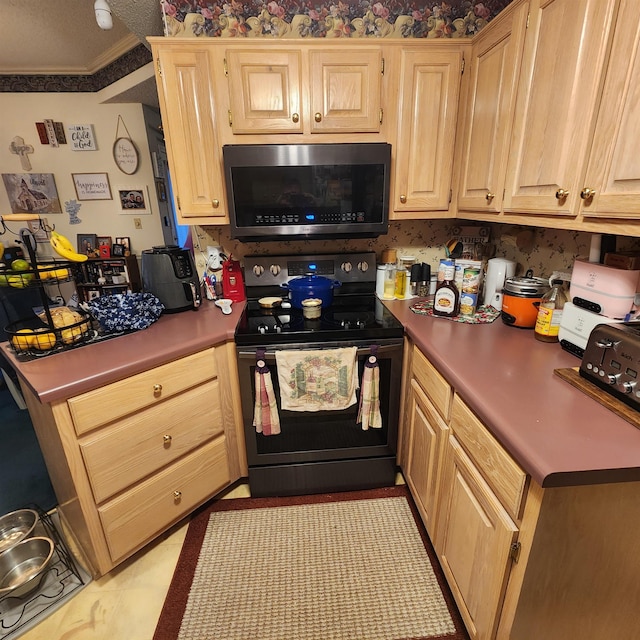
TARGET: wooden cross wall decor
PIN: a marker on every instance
(21, 149)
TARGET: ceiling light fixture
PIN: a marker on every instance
(103, 14)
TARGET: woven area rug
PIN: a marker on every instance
(343, 566)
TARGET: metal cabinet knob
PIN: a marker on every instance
(587, 194)
(167, 439)
(317, 117)
(561, 194)
(177, 495)
(490, 196)
(157, 389)
(403, 199)
(215, 203)
(296, 118)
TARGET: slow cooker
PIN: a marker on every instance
(521, 299)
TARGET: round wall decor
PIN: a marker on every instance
(126, 155)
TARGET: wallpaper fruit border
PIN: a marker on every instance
(341, 19)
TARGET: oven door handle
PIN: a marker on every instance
(270, 355)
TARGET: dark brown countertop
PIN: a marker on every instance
(557, 433)
(69, 373)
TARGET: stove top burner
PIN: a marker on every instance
(348, 318)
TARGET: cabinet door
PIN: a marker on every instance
(265, 91)
(426, 441)
(614, 168)
(474, 541)
(429, 90)
(495, 62)
(186, 96)
(345, 91)
(565, 49)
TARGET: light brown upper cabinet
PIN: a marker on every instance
(484, 146)
(304, 90)
(184, 75)
(611, 188)
(429, 91)
(565, 51)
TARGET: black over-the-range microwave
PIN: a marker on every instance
(307, 190)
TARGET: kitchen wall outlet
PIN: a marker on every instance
(137, 223)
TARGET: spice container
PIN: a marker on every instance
(425, 280)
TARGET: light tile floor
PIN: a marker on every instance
(125, 604)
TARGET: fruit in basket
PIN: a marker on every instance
(23, 339)
(20, 281)
(4, 282)
(61, 274)
(64, 248)
(20, 265)
(43, 340)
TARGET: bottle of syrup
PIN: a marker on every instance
(550, 313)
(446, 301)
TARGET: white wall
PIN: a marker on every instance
(20, 112)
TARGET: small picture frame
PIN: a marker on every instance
(88, 244)
(104, 246)
(92, 294)
(117, 250)
(161, 191)
(126, 243)
(135, 200)
(92, 186)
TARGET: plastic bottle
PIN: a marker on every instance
(550, 313)
(446, 301)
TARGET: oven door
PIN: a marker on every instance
(324, 450)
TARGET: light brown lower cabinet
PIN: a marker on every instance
(523, 562)
(130, 459)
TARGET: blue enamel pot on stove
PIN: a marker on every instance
(311, 286)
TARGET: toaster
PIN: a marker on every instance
(612, 361)
(169, 273)
(576, 325)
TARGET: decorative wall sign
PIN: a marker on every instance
(92, 186)
(134, 200)
(32, 192)
(21, 149)
(125, 152)
(81, 137)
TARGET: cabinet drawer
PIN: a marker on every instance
(100, 406)
(146, 441)
(433, 384)
(140, 514)
(498, 468)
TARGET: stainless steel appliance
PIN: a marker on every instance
(612, 361)
(308, 190)
(170, 274)
(325, 450)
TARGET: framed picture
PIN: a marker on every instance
(104, 246)
(92, 186)
(126, 244)
(134, 200)
(161, 190)
(117, 250)
(88, 244)
(32, 192)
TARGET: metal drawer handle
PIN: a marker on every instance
(561, 194)
(177, 495)
(167, 439)
(317, 117)
(295, 117)
(215, 203)
(587, 194)
(489, 197)
(403, 199)
(157, 389)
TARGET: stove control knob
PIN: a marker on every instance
(345, 324)
(262, 328)
(258, 270)
(360, 324)
(278, 328)
(627, 386)
(363, 266)
(346, 267)
(275, 269)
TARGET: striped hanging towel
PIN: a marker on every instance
(369, 409)
(265, 411)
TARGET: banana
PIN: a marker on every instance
(64, 248)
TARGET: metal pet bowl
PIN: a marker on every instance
(16, 526)
(22, 567)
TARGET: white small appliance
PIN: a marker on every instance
(576, 326)
(498, 270)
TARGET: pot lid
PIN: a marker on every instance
(526, 286)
